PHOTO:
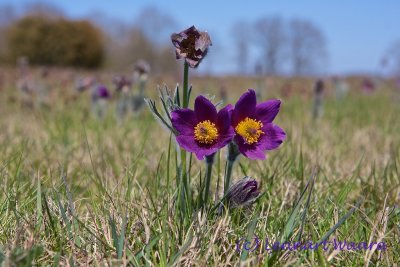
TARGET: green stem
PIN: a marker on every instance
(209, 165)
(183, 183)
(184, 175)
(184, 170)
(233, 153)
(218, 176)
(185, 85)
(142, 85)
(228, 174)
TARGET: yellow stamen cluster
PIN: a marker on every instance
(249, 129)
(205, 132)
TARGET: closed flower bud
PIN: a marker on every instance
(242, 193)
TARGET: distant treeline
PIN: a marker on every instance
(46, 37)
(50, 42)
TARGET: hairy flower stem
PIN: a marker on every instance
(142, 86)
(233, 153)
(228, 174)
(184, 178)
(209, 165)
(185, 85)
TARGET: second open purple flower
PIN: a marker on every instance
(253, 125)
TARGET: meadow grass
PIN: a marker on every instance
(76, 191)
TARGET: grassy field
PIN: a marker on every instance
(77, 191)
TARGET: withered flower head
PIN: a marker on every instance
(242, 193)
(141, 67)
(83, 84)
(191, 45)
(121, 82)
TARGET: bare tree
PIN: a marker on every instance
(270, 36)
(392, 56)
(7, 15)
(307, 47)
(155, 24)
(241, 34)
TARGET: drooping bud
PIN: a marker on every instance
(242, 193)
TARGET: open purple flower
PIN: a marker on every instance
(191, 45)
(253, 125)
(203, 130)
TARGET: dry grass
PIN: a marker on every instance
(77, 191)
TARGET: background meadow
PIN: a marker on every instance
(80, 190)
(76, 190)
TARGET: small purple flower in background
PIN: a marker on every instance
(122, 87)
(191, 45)
(141, 71)
(241, 194)
(121, 83)
(102, 92)
(204, 130)
(368, 86)
(100, 95)
(253, 125)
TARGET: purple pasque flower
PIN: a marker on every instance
(253, 125)
(368, 85)
(203, 130)
(121, 82)
(191, 45)
(100, 92)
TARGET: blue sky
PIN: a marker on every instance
(358, 32)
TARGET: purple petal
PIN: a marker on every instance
(189, 144)
(203, 42)
(255, 153)
(223, 118)
(226, 138)
(192, 62)
(267, 111)
(204, 109)
(250, 151)
(271, 139)
(245, 107)
(184, 121)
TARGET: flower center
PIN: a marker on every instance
(205, 132)
(188, 45)
(250, 130)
